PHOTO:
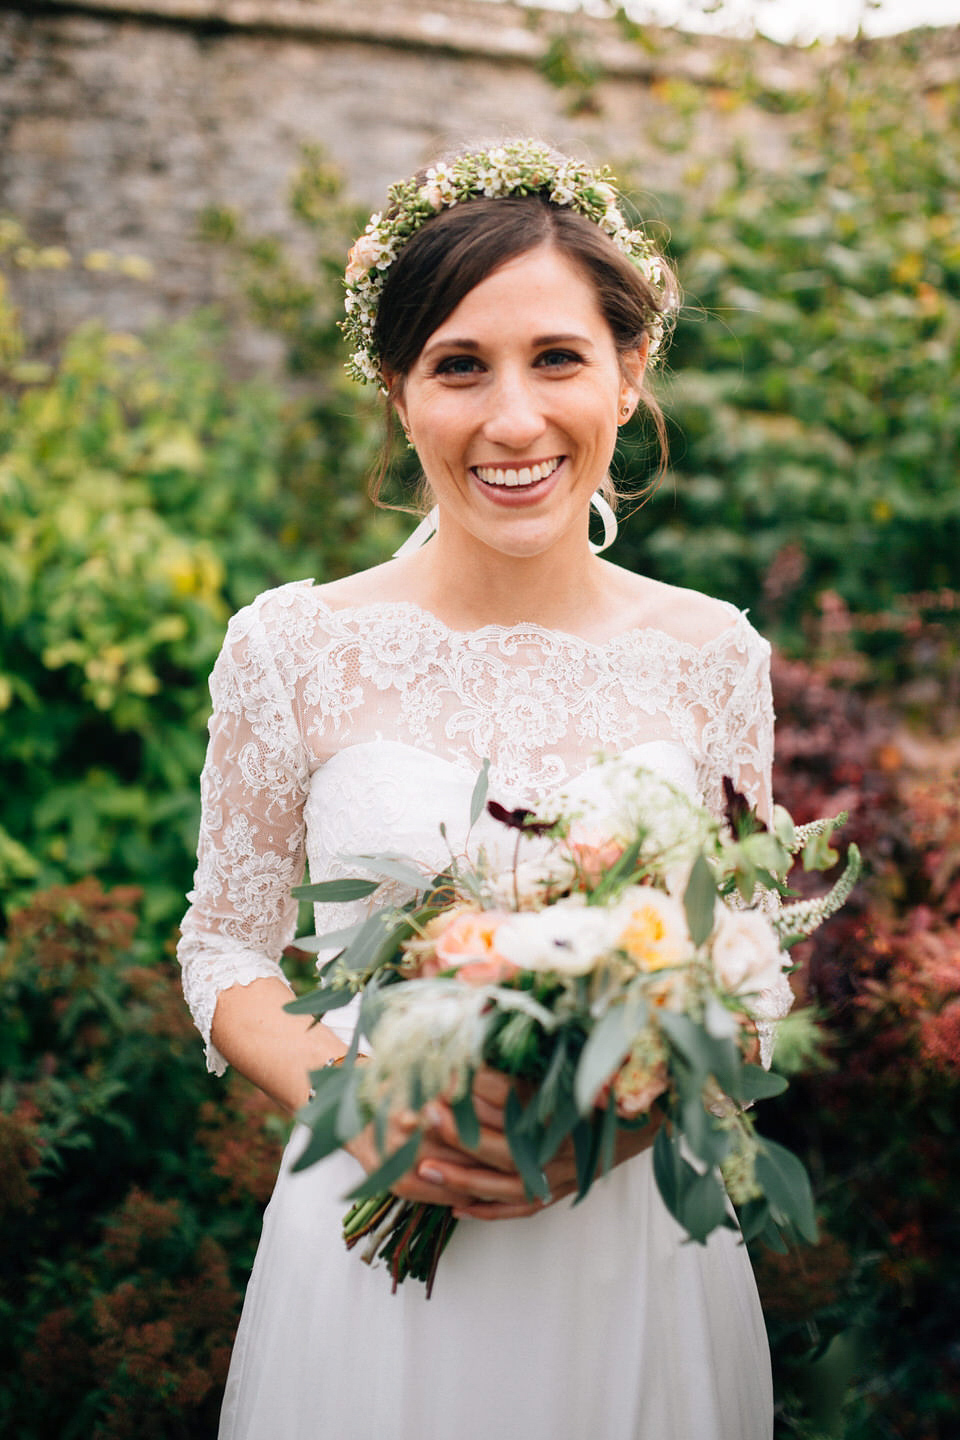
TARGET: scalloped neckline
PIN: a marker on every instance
(532, 628)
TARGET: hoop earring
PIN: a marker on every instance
(610, 527)
(424, 532)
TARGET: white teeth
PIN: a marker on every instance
(527, 475)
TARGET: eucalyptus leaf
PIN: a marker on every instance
(479, 798)
(699, 900)
(378, 933)
(606, 1048)
(786, 1185)
(320, 1115)
(670, 1170)
(395, 1166)
(608, 1136)
(465, 1114)
(558, 1127)
(548, 1090)
(321, 1000)
(586, 1149)
(332, 940)
(759, 1084)
(713, 1140)
(350, 1119)
(703, 1206)
(390, 867)
(818, 853)
(690, 1040)
(330, 892)
(523, 1149)
(754, 1218)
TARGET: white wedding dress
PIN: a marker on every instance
(346, 731)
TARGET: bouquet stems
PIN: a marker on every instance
(408, 1235)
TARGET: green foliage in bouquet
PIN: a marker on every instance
(131, 1184)
(608, 998)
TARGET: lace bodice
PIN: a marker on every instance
(342, 730)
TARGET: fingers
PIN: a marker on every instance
(491, 1148)
(491, 1089)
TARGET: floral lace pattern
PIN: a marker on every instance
(299, 683)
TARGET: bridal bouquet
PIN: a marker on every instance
(615, 968)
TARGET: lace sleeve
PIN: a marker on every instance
(737, 738)
(251, 848)
(741, 745)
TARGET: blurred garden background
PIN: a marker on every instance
(156, 476)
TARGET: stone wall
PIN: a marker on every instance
(121, 120)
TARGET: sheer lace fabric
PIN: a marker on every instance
(299, 686)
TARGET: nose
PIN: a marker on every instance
(515, 416)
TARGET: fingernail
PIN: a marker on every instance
(426, 1171)
(406, 1119)
(433, 1115)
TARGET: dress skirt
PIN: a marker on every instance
(597, 1321)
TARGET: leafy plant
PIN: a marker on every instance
(130, 1184)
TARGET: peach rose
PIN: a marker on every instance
(363, 256)
(593, 854)
(467, 943)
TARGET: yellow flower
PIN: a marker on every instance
(654, 933)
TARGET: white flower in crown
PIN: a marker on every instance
(365, 365)
(606, 194)
(516, 168)
(438, 189)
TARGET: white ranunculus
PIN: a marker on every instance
(569, 938)
(746, 954)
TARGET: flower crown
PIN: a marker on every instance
(519, 167)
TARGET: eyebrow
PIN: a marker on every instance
(464, 342)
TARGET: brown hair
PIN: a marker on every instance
(462, 245)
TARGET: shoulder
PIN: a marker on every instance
(690, 617)
(271, 609)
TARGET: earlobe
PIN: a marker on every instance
(633, 364)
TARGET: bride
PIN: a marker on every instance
(510, 315)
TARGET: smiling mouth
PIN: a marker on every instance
(512, 479)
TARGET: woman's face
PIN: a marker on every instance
(513, 405)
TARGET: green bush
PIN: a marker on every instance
(143, 497)
(131, 1184)
(863, 1326)
(814, 409)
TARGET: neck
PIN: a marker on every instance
(469, 585)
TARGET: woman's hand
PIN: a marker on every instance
(444, 1172)
(481, 1182)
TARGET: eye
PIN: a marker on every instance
(559, 360)
(457, 366)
